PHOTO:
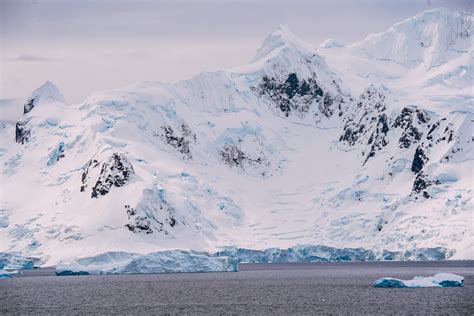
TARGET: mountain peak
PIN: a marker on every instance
(431, 37)
(280, 38)
(47, 92)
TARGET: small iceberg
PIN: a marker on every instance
(5, 276)
(8, 274)
(438, 280)
(158, 262)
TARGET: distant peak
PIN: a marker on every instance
(283, 28)
(428, 38)
(436, 14)
(47, 92)
(279, 38)
(332, 43)
(437, 11)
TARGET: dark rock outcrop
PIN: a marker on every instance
(93, 163)
(367, 124)
(22, 132)
(296, 95)
(421, 183)
(410, 120)
(115, 172)
(140, 224)
(234, 156)
(29, 105)
(377, 139)
(419, 160)
(180, 138)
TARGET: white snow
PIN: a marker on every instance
(431, 37)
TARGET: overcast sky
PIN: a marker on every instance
(89, 45)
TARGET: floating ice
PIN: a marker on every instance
(157, 262)
(8, 273)
(438, 280)
(5, 275)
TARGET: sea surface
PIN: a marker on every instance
(283, 289)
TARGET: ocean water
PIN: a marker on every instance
(288, 289)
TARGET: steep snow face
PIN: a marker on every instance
(426, 59)
(276, 153)
(432, 37)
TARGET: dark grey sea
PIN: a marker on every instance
(273, 289)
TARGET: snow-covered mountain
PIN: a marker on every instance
(431, 38)
(361, 145)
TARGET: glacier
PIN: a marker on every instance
(228, 259)
(353, 151)
(437, 280)
(320, 253)
(12, 261)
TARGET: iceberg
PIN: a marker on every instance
(438, 280)
(8, 273)
(5, 275)
(173, 261)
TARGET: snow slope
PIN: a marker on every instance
(426, 59)
(301, 146)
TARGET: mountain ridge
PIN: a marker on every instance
(273, 154)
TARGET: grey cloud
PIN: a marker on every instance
(32, 58)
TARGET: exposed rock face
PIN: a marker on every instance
(377, 139)
(421, 183)
(413, 121)
(138, 224)
(246, 150)
(370, 129)
(115, 172)
(29, 105)
(22, 132)
(368, 125)
(85, 175)
(419, 160)
(442, 132)
(234, 156)
(437, 134)
(180, 138)
(154, 214)
(296, 95)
